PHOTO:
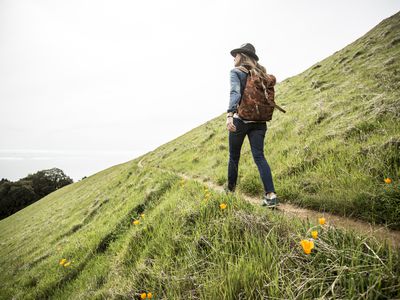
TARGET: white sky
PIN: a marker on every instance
(116, 79)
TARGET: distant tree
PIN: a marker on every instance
(46, 181)
(15, 196)
(21, 194)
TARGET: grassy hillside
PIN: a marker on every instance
(185, 246)
(331, 151)
(338, 141)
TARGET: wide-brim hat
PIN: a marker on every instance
(246, 49)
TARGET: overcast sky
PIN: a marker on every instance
(85, 85)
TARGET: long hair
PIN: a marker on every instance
(250, 63)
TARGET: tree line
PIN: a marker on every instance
(14, 196)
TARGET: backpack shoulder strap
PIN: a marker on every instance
(269, 101)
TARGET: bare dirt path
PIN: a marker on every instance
(378, 231)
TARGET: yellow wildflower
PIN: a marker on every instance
(67, 264)
(222, 206)
(149, 295)
(388, 180)
(136, 222)
(143, 295)
(321, 221)
(142, 215)
(307, 246)
(314, 234)
(63, 261)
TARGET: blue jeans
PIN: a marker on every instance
(256, 133)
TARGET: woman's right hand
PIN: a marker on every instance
(229, 124)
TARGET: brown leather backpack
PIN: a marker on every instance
(258, 99)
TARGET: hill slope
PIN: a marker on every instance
(331, 151)
(336, 144)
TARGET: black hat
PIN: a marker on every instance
(247, 49)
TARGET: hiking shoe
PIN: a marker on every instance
(228, 190)
(270, 202)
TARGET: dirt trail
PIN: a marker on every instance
(378, 231)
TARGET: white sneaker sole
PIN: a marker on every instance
(269, 205)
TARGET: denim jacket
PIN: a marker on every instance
(238, 82)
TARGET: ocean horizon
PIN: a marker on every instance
(19, 163)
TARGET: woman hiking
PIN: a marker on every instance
(238, 127)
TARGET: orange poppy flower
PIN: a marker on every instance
(67, 264)
(388, 180)
(314, 234)
(222, 206)
(307, 246)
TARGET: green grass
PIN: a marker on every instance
(185, 247)
(330, 152)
